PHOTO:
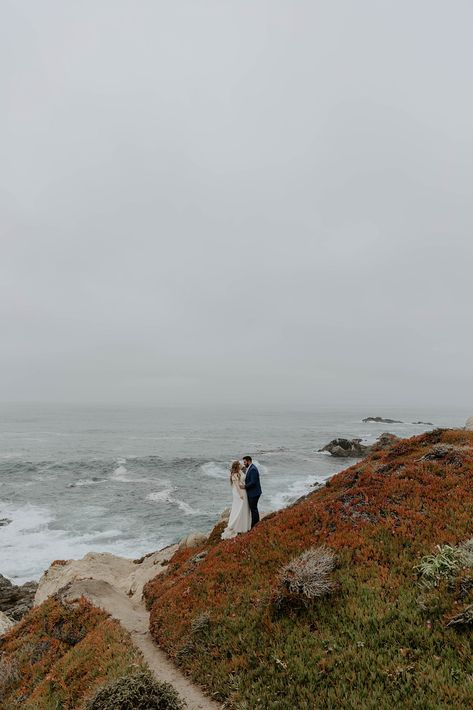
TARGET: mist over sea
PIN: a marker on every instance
(130, 480)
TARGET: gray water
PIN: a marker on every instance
(130, 480)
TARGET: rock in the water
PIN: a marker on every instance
(424, 423)
(5, 623)
(16, 601)
(469, 424)
(378, 420)
(355, 449)
(346, 448)
(4, 521)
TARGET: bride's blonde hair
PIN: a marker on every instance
(235, 471)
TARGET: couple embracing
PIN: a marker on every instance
(246, 491)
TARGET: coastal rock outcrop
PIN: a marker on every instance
(125, 575)
(346, 448)
(194, 539)
(353, 448)
(386, 420)
(16, 600)
(5, 623)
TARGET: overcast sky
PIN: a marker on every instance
(256, 201)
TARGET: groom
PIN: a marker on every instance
(253, 488)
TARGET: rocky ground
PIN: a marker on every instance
(16, 601)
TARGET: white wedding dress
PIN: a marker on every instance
(240, 514)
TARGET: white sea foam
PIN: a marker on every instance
(122, 475)
(161, 496)
(44, 477)
(186, 508)
(86, 482)
(214, 470)
(31, 542)
(166, 496)
(293, 492)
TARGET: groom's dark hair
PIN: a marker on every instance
(247, 458)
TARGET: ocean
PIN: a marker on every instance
(130, 480)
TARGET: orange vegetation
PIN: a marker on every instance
(380, 516)
(59, 654)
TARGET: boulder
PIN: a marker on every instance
(346, 448)
(16, 601)
(379, 420)
(469, 424)
(193, 540)
(125, 575)
(5, 623)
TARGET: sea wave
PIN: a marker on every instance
(86, 482)
(166, 496)
(122, 475)
(296, 490)
(32, 539)
(280, 450)
(214, 470)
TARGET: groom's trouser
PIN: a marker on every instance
(253, 503)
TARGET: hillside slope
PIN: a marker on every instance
(381, 639)
(60, 653)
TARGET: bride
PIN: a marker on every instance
(240, 514)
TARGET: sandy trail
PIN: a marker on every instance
(135, 619)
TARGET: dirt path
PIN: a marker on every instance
(135, 619)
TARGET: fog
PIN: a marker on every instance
(251, 203)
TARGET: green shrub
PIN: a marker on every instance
(136, 692)
(444, 564)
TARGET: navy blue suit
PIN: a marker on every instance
(253, 491)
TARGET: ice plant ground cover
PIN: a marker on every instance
(59, 655)
(380, 639)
